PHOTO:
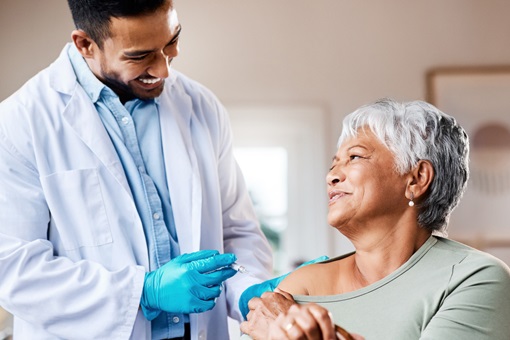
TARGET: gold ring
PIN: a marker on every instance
(289, 326)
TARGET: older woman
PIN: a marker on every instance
(399, 171)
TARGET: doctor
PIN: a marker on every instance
(121, 204)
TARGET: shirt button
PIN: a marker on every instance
(156, 216)
(125, 120)
(176, 319)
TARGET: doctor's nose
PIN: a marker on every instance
(160, 68)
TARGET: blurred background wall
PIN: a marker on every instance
(288, 72)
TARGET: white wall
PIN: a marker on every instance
(330, 54)
(334, 53)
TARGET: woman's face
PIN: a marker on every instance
(363, 187)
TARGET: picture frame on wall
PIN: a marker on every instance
(479, 98)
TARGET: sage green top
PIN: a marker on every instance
(446, 290)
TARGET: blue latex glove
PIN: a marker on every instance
(189, 283)
(267, 286)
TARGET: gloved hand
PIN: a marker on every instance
(267, 286)
(189, 283)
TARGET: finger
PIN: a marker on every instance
(206, 293)
(198, 255)
(249, 315)
(293, 330)
(199, 306)
(298, 334)
(277, 295)
(324, 320)
(244, 327)
(308, 326)
(217, 277)
(276, 328)
(284, 293)
(213, 263)
(254, 303)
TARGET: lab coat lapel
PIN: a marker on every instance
(82, 116)
(181, 167)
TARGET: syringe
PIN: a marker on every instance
(237, 267)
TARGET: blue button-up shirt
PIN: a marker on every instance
(136, 135)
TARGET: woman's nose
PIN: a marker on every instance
(336, 174)
(332, 178)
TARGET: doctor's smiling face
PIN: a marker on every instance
(135, 58)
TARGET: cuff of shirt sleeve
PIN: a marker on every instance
(149, 313)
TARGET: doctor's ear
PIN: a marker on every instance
(83, 43)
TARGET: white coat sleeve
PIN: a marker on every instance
(67, 299)
(242, 233)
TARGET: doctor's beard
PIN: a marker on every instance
(131, 89)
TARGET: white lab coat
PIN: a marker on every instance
(72, 247)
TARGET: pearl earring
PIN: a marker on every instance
(411, 203)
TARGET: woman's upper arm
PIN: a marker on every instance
(477, 306)
(296, 282)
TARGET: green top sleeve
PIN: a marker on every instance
(476, 303)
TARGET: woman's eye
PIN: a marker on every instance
(352, 157)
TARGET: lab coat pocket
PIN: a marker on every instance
(78, 213)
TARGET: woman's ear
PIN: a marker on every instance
(83, 43)
(420, 178)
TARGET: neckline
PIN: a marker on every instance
(431, 241)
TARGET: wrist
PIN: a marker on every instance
(149, 299)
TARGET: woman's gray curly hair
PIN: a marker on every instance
(415, 131)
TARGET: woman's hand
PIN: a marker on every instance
(263, 311)
(309, 321)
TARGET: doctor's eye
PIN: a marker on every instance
(138, 58)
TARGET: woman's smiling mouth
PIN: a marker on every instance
(334, 195)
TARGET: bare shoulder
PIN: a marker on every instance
(313, 279)
(298, 280)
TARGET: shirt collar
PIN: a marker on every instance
(92, 86)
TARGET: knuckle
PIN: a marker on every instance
(323, 313)
(253, 303)
(267, 295)
(294, 308)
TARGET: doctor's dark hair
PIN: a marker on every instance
(415, 131)
(93, 16)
